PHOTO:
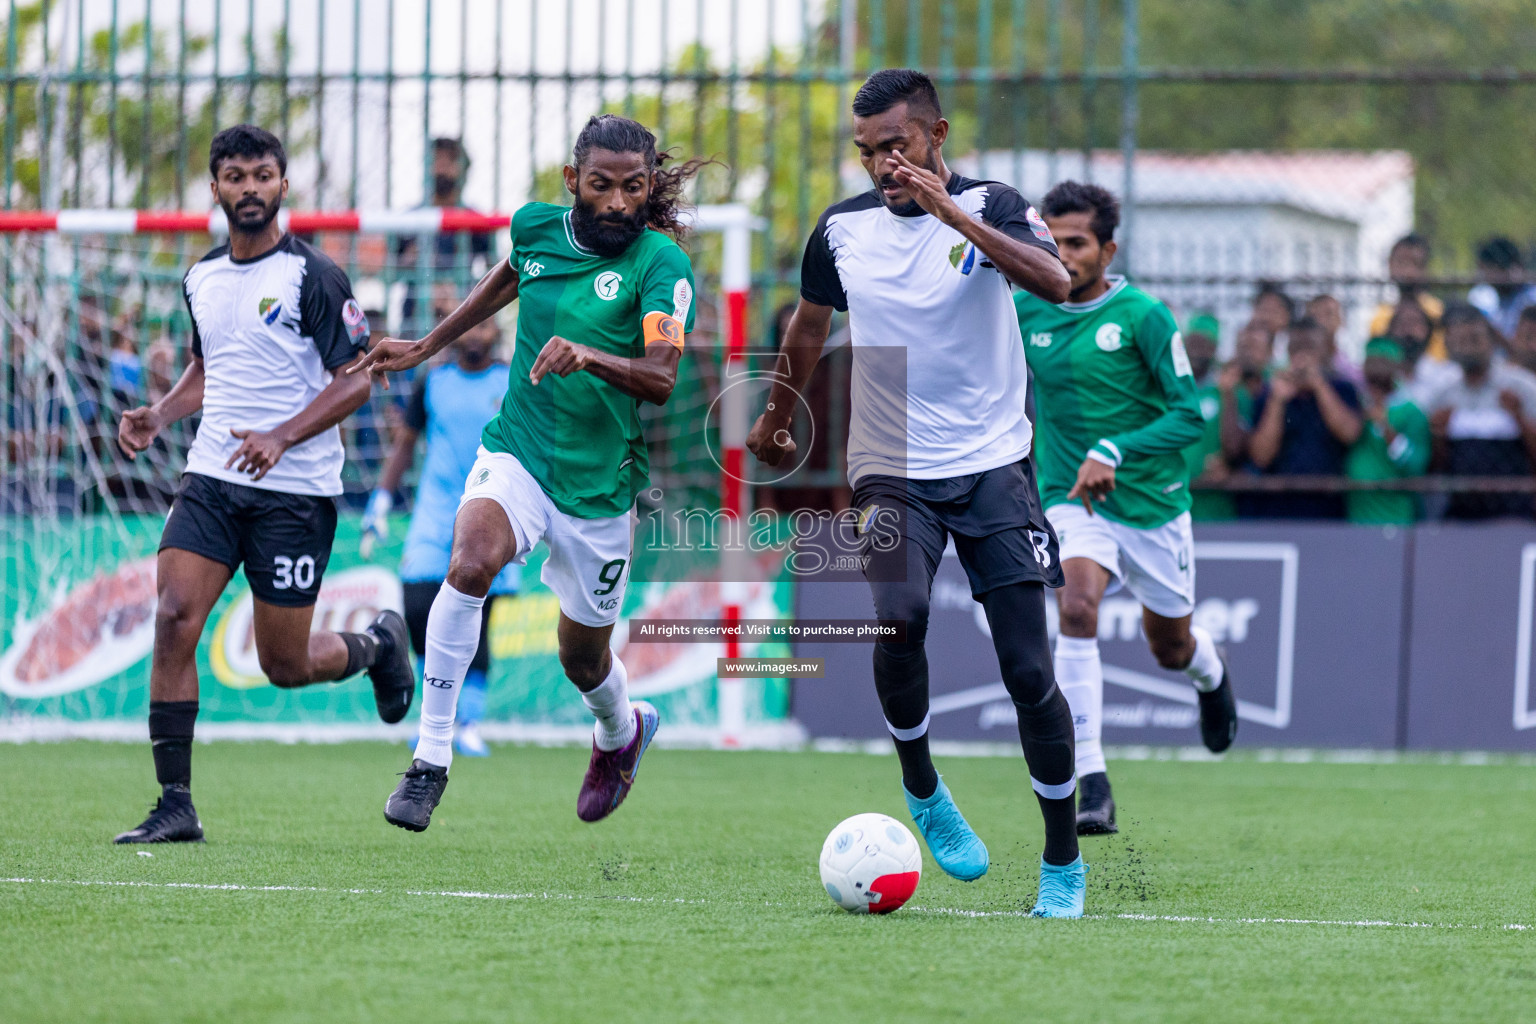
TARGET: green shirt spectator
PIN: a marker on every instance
(1394, 445)
(1203, 460)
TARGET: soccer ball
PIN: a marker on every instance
(870, 864)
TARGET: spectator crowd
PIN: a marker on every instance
(1437, 420)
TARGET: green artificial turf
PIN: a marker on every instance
(699, 899)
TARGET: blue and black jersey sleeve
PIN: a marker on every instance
(819, 282)
(1011, 214)
(329, 314)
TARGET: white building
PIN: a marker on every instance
(1206, 228)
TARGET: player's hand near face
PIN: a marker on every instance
(258, 452)
(1094, 482)
(1283, 386)
(1510, 402)
(390, 355)
(926, 189)
(769, 440)
(1229, 378)
(560, 357)
(137, 430)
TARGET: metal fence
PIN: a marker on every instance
(1248, 142)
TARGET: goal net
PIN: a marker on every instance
(94, 324)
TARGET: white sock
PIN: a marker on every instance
(1080, 675)
(1204, 669)
(609, 703)
(453, 636)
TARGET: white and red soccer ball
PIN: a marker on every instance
(871, 864)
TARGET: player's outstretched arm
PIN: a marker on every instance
(1030, 267)
(769, 438)
(650, 378)
(139, 427)
(260, 450)
(497, 289)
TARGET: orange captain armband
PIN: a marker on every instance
(663, 327)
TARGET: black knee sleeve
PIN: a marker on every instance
(1045, 729)
(419, 595)
(1016, 614)
(901, 680)
(901, 669)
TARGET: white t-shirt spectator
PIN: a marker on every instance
(1503, 315)
(1483, 438)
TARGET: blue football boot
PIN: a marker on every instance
(1062, 888)
(954, 844)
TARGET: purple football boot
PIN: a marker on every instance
(611, 773)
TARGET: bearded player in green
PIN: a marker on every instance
(605, 299)
(1115, 405)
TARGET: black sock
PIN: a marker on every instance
(917, 771)
(362, 652)
(901, 678)
(1045, 730)
(170, 735)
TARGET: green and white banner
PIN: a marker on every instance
(77, 617)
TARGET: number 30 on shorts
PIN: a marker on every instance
(610, 574)
(291, 573)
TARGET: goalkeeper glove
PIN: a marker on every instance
(375, 521)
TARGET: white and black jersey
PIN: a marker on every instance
(939, 367)
(270, 331)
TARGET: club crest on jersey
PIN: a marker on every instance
(963, 257)
(862, 526)
(607, 285)
(1107, 337)
(269, 310)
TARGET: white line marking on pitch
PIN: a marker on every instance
(949, 911)
(1190, 919)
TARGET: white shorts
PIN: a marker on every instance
(1157, 566)
(588, 563)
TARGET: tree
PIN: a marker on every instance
(125, 142)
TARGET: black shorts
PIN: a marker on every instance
(283, 539)
(1000, 531)
(419, 595)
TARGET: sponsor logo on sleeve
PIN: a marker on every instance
(682, 299)
(354, 319)
(1037, 225)
(1181, 365)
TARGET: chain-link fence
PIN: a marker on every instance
(1257, 149)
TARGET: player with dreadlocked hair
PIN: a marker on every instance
(606, 299)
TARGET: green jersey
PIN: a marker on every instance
(1213, 506)
(1372, 458)
(1207, 506)
(1112, 378)
(579, 436)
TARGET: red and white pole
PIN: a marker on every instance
(733, 221)
(430, 220)
(735, 224)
